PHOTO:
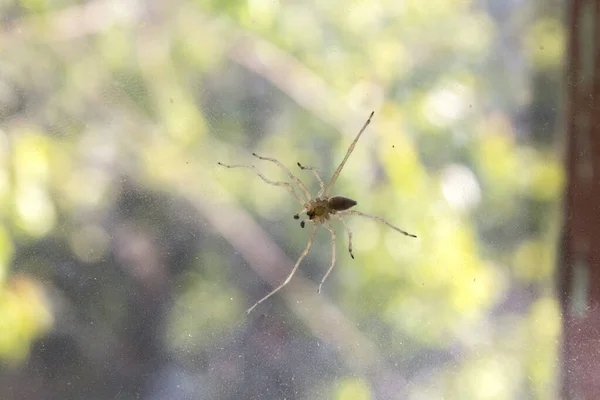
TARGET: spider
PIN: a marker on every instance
(319, 210)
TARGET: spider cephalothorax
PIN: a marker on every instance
(318, 210)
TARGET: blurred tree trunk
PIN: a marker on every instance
(580, 268)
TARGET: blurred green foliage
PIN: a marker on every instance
(155, 94)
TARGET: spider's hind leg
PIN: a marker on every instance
(349, 232)
(332, 231)
(378, 219)
(304, 253)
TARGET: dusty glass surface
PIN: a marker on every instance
(128, 256)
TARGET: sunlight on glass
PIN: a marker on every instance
(460, 187)
(545, 330)
(546, 319)
(475, 289)
(25, 315)
(445, 105)
(363, 15)
(263, 12)
(496, 154)
(533, 260)
(490, 283)
(392, 59)
(165, 159)
(456, 251)
(10, 347)
(544, 178)
(423, 12)
(546, 41)
(181, 121)
(490, 377)
(352, 389)
(35, 210)
(31, 157)
(402, 164)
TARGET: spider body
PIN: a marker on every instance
(318, 210)
(321, 210)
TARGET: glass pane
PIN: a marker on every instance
(128, 255)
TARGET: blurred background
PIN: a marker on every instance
(128, 256)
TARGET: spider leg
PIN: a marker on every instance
(350, 149)
(292, 176)
(304, 221)
(332, 254)
(270, 182)
(349, 232)
(304, 253)
(379, 219)
(315, 173)
(297, 216)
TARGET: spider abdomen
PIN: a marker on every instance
(341, 203)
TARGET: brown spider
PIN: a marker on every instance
(318, 210)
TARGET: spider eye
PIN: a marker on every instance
(341, 203)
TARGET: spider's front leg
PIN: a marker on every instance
(292, 176)
(314, 171)
(350, 149)
(297, 215)
(286, 185)
(304, 221)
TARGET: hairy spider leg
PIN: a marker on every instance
(330, 229)
(350, 149)
(349, 232)
(316, 174)
(379, 219)
(304, 253)
(292, 176)
(270, 182)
